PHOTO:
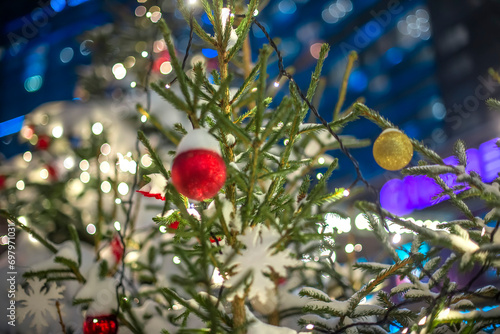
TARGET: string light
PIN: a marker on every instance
(144, 54)
(27, 156)
(132, 166)
(27, 132)
(422, 321)
(23, 220)
(105, 149)
(167, 86)
(91, 229)
(276, 84)
(97, 128)
(176, 260)
(123, 188)
(84, 165)
(133, 84)
(118, 201)
(349, 248)
(361, 222)
(69, 163)
(166, 67)
(44, 174)
(346, 192)
(104, 167)
(117, 225)
(163, 229)
(85, 177)
(144, 118)
(321, 160)
(119, 71)
(57, 131)
(106, 187)
(20, 185)
(4, 240)
(146, 160)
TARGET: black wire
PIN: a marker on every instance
(343, 148)
(190, 42)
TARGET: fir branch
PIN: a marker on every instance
(385, 124)
(234, 129)
(76, 240)
(493, 104)
(317, 72)
(154, 155)
(170, 96)
(353, 56)
(459, 152)
(179, 71)
(196, 26)
(243, 29)
(29, 230)
(167, 133)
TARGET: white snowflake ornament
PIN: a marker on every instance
(259, 258)
(38, 302)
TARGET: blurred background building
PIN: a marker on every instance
(422, 64)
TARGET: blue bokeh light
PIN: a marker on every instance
(58, 5)
(394, 55)
(358, 81)
(287, 7)
(209, 53)
(11, 126)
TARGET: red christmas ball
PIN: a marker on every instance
(198, 174)
(102, 324)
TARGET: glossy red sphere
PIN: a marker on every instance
(198, 174)
(103, 324)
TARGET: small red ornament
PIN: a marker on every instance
(212, 240)
(198, 170)
(43, 142)
(102, 324)
(174, 225)
(117, 248)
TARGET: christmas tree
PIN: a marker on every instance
(241, 239)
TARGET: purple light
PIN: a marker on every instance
(490, 156)
(394, 199)
(401, 197)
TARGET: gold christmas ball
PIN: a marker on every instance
(392, 150)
